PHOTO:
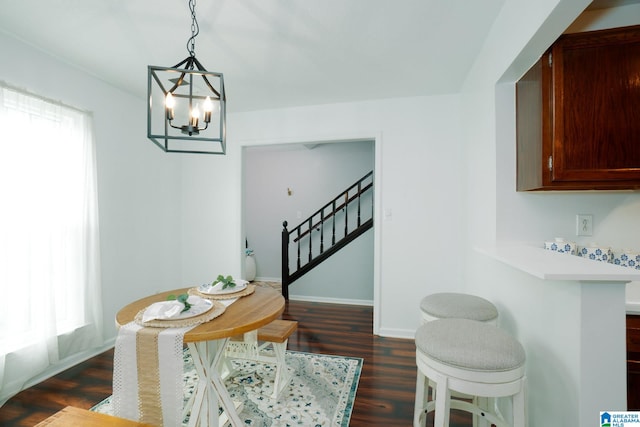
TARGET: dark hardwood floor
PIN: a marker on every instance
(385, 393)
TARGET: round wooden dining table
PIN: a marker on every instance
(207, 342)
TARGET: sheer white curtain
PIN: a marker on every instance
(49, 250)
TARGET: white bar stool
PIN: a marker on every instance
(473, 358)
(451, 305)
(448, 305)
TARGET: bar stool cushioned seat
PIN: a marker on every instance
(448, 305)
(470, 357)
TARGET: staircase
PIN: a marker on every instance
(328, 230)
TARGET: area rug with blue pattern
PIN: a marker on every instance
(321, 391)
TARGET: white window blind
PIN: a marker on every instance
(49, 246)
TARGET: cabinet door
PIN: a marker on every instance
(596, 106)
(633, 362)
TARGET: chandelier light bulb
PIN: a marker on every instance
(169, 103)
(208, 108)
(195, 115)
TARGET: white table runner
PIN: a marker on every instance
(147, 373)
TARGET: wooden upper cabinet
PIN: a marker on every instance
(578, 114)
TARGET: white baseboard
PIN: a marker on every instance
(397, 333)
(69, 362)
(311, 298)
(268, 279)
(308, 298)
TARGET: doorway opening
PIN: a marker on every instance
(287, 181)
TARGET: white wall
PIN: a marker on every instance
(137, 183)
(543, 315)
(210, 211)
(170, 220)
(346, 278)
(418, 150)
(315, 174)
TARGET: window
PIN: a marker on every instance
(49, 258)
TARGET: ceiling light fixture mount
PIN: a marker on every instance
(192, 113)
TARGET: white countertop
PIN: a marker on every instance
(550, 265)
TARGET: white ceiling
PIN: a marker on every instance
(273, 53)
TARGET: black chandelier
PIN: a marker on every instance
(190, 104)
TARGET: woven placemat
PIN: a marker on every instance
(243, 293)
(217, 310)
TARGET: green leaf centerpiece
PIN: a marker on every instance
(181, 298)
(227, 282)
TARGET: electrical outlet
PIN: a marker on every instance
(584, 225)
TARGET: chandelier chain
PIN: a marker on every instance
(195, 29)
